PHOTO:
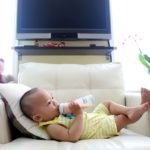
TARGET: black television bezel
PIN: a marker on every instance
(61, 34)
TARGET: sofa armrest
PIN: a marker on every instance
(5, 135)
(143, 125)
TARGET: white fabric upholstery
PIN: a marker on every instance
(4, 128)
(69, 81)
(127, 141)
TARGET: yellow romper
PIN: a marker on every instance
(98, 124)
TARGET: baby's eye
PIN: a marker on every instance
(49, 102)
(52, 97)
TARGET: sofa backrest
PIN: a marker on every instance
(71, 81)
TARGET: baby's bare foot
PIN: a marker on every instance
(145, 95)
(135, 113)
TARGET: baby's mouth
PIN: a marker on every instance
(57, 108)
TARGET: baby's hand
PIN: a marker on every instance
(75, 108)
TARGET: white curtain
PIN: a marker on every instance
(130, 21)
(7, 32)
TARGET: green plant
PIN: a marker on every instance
(143, 58)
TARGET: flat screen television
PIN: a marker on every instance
(63, 19)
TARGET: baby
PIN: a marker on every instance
(107, 119)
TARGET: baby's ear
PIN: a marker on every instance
(37, 118)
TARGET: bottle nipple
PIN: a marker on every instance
(64, 108)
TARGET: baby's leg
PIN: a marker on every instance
(121, 121)
(145, 95)
(115, 108)
(133, 115)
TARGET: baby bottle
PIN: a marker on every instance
(84, 102)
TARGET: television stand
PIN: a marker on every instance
(93, 50)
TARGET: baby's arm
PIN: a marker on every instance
(71, 134)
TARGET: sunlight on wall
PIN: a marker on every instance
(131, 17)
(7, 31)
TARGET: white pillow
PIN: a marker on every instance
(11, 94)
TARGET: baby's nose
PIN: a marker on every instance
(54, 102)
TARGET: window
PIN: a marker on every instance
(7, 32)
(130, 18)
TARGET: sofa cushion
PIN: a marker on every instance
(4, 127)
(11, 94)
(127, 140)
(70, 81)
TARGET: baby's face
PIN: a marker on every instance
(46, 106)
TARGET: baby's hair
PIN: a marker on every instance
(25, 104)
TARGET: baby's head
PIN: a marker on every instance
(39, 105)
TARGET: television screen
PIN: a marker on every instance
(73, 19)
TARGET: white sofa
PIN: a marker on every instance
(69, 81)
